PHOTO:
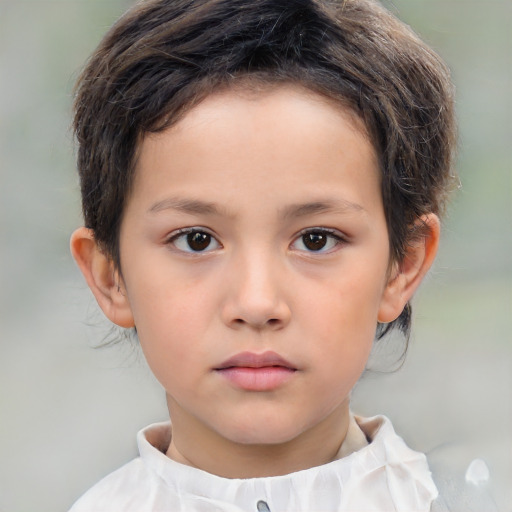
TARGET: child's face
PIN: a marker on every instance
(255, 262)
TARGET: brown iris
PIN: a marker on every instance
(198, 240)
(315, 241)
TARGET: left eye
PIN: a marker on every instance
(317, 240)
(194, 240)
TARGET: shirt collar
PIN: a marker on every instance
(372, 462)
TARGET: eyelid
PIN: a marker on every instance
(185, 231)
(323, 229)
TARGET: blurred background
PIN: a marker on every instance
(69, 412)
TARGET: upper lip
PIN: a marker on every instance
(254, 360)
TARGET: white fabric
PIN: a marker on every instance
(382, 475)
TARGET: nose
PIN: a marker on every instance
(257, 295)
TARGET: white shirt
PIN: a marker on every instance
(374, 471)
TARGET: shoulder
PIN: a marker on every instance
(137, 485)
(141, 484)
(456, 483)
(386, 474)
(117, 490)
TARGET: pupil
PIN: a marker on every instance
(198, 241)
(314, 241)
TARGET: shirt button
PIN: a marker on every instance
(262, 506)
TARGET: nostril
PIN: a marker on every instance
(272, 322)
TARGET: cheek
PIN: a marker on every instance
(170, 338)
(345, 302)
(172, 317)
(342, 317)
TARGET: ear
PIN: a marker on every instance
(407, 275)
(103, 278)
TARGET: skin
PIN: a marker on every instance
(250, 172)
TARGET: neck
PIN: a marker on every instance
(196, 445)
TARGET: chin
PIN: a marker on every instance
(262, 432)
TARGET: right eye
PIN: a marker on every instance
(194, 240)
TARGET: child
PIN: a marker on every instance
(262, 183)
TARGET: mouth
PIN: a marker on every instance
(252, 360)
(256, 372)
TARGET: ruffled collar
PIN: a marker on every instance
(375, 471)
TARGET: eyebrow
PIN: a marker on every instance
(192, 206)
(323, 206)
(197, 207)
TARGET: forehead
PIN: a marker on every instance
(245, 138)
(249, 95)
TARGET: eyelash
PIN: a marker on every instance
(330, 234)
(183, 233)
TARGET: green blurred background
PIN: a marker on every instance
(69, 413)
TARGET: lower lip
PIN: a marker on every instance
(266, 378)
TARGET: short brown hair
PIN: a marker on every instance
(164, 56)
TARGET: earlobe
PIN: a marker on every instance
(102, 277)
(407, 276)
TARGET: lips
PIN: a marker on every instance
(256, 372)
(252, 360)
